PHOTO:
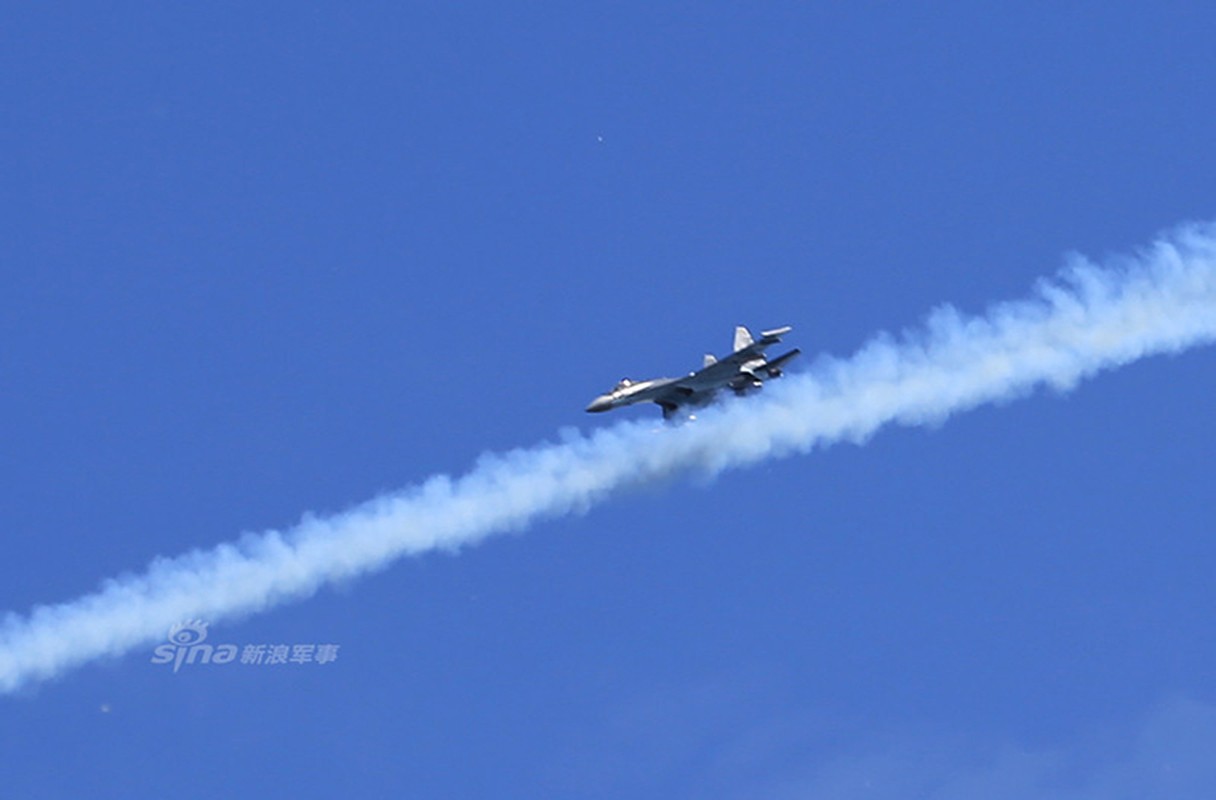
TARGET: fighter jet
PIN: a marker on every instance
(744, 370)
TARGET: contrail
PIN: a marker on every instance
(1089, 318)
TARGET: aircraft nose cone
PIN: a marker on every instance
(601, 403)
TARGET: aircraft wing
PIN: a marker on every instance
(748, 356)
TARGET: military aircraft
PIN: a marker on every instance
(742, 371)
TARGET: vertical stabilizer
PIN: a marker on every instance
(709, 360)
(743, 338)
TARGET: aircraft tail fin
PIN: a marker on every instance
(743, 338)
(709, 360)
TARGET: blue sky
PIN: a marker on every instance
(257, 262)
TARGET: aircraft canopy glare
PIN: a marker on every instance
(744, 370)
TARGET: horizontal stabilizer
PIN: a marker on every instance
(773, 367)
(776, 333)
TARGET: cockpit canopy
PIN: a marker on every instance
(624, 383)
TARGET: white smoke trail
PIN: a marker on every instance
(1162, 300)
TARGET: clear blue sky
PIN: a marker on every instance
(258, 261)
